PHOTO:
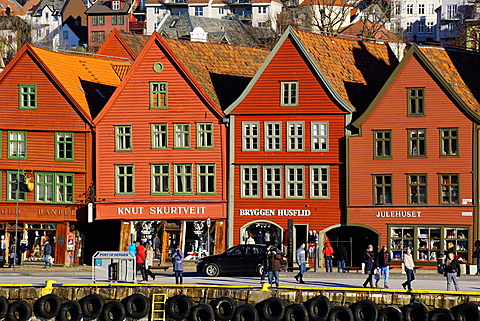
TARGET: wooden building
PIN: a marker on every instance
(413, 168)
(47, 148)
(287, 138)
(162, 144)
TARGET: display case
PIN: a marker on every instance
(428, 243)
(401, 238)
(458, 236)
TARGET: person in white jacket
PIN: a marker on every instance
(409, 265)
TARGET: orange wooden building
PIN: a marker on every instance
(413, 168)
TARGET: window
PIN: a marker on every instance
(319, 182)
(16, 186)
(156, 10)
(221, 11)
(431, 8)
(206, 178)
(117, 20)
(94, 20)
(319, 133)
(295, 136)
(289, 93)
(249, 181)
(115, 5)
(272, 182)
(158, 95)
(65, 35)
(396, 9)
(294, 181)
(421, 8)
(383, 141)
(429, 26)
(27, 96)
(410, 8)
(17, 144)
(101, 20)
(417, 189)
(124, 180)
(458, 237)
(262, 24)
(64, 146)
(382, 189)
(421, 26)
(54, 187)
(183, 178)
(160, 179)
(182, 135)
(98, 36)
(273, 136)
(123, 138)
(449, 189)
(401, 238)
(409, 27)
(250, 136)
(416, 101)
(204, 135)
(262, 9)
(417, 143)
(198, 11)
(451, 11)
(159, 136)
(449, 138)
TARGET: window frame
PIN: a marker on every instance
(418, 140)
(123, 138)
(19, 178)
(441, 185)
(28, 95)
(94, 20)
(289, 182)
(450, 138)
(206, 175)
(272, 185)
(24, 142)
(162, 90)
(206, 135)
(183, 134)
(125, 176)
(154, 133)
(295, 136)
(319, 136)
(272, 139)
(250, 139)
(101, 20)
(418, 185)
(58, 149)
(383, 142)
(416, 98)
(161, 175)
(187, 179)
(382, 185)
(251, 183)
(319, 182)
(55, 187)
(288, 96)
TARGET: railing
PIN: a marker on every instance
(452, 16)
(137, 25)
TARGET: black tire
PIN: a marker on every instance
(365, 310)
(113, 311)
(296, 312)
(211, 269)
(260, 269)
(223, 308)
(318, 308)
(136, 305)
(201, 312)
(246, 312)
(92, 306)
(271, 309)
(3, 306)
(19, 311)
(441, 314)
(390, 313)
(466, 312)
(415, 311)
(340, 313)
(179, 306)
(47, 306)
(70, 311)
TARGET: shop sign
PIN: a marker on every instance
(139, 210)
(272, 212)
(399, 214)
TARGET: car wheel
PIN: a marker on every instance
(211, 269)
(260, 270)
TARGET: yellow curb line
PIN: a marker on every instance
(381, 290)
(160, 285)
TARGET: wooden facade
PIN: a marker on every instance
(416, 187)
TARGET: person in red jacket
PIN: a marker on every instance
(140, 257)
(328, 251)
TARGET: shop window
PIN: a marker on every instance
(17, 144)
(206, 179)
(64, 146)
(249, 181)
(428, 243)
(458, 237)
(182, 136)
(319, 182)
(161, 179)
(382, 189)
(401, 238)
(159, 136)
(183, 179)
(416, 101)
(383, 141)
(123, 138)
(295, 136)
(54, 187)
(16, 186)
(272, 181)
(124, 180)
(417, 186)
(294, 182)
(449, 139)
(273, 136)
(319, 136)
(289, 93)
(417, 143)
(27, 96)
(204, 135)
(449, 189)
(158, 95)
(250, 136)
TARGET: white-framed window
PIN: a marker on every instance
(221, 11)
(198, 11)
(319, 182)
(410, 8)
(182, 135)
(160, 179)
(421, 8)
(319, 132)
(250, 178)
(421, 26)
(204, 135)
(409, 27)
(250, 136)
(295, 136)
(159, 136)
(183, 178)
(294, 182)
(451, 11)
(430, 26)
(289, 93)
(262, 24)
(396, 8)
(123, 138)
(115, 5)
(273, 136)
(262, 9)
(431, 8)
(272, 182)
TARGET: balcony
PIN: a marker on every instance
(452, 16)
(137, 25)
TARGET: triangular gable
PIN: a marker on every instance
(415, 52)
(116, 43)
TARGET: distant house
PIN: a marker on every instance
(10, 7)
(73, 35)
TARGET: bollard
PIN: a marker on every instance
(48, 288)
(266, 287)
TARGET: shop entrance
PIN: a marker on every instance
(263, 233)
(37, 235)
(300, 232)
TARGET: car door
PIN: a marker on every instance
(232, 259)
(253, 257)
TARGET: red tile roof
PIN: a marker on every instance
(362, 28)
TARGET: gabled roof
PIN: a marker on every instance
(131, 43)
(456, 71)
(77, 76)
(105, 7)
(353, 71)
(54, 5)
(362, 26)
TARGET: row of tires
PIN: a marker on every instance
(319, 308)
(93, 306)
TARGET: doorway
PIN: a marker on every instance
(300, 234)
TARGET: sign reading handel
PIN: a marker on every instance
(271, 212)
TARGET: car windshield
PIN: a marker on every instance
(255, 250)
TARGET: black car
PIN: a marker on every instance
(240, 259)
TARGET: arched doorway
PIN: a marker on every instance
(263, 232)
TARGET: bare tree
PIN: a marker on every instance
(15, 32)
(330, 15)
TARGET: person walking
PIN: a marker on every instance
(274, 259)
(328, 252)
(476, 255)
(452, 272)
(341, 258)
(47, 252)
(177, 259)
(132, 248)
(383, 263)
(409, 269)
(140, 257)
(302, 263)
(149, 260)
(369, 260)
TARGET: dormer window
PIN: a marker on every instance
(116, 5)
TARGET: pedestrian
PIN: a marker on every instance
(409, 269)
(476, 255)
(369, 260)
(274, 259)
(140, 257)
(383, 263)
(452, 272)
(177, 259)
(132, 248)
(47, 252)
(341, 258)
(149, 260)
(328, 252)
(302, 263)
(450, 249)
(264, 275)
(259, 237)
(250, 240)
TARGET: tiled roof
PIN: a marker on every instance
(52, 4)
(15, 7)
(154, 1)
(29, 5)
(104, 7)
(361, 26)
(355, 69)
(134, 41)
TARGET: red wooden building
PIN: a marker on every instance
(46, 159)
(413, 168)
(287, 156)
(162, 144)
